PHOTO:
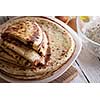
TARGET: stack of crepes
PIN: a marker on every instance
(23, 43)
(33, 47)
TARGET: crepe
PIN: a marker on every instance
(4, 56)
(10, 56)
(26, 31)
(61, 46)
(25, 37)
(25, 52)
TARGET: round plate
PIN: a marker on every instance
(61, 70)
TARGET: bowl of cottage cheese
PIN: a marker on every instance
(89, 31)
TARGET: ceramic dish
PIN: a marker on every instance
(91, 45)
(62, 69)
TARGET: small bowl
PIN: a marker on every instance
(89, 44)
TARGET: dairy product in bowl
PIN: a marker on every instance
(92, 30)
(89, 32)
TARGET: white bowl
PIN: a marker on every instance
(61, 70)
(92, 46)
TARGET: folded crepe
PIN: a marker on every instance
(4, 56)
(25, 52)
(28, 32)
(25, 37)
(12, 57)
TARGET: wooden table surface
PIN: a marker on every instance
(87, 65)
(89, 68)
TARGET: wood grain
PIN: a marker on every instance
(90, 65)
(80, 77)
(69, 75)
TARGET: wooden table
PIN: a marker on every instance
(89, 68)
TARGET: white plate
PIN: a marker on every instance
(61, 70)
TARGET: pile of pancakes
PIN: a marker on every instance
(33, 47)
